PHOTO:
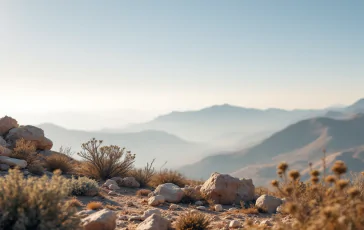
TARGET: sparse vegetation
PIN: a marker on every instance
(59, 161)
(193, 220)
(83, 186)
(35, 203)
(168, 176)
(143, 192)
(327, 203)
(36, 169)
(106, 161)
(94, 205)
(191, 195)
(25, 150)
(145, 175)
(74, 202)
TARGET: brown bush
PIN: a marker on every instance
(145, 175)
(59, 161)
(168, 176)
(26, 150)
(36, 169)
(193, 220)
(106, 161)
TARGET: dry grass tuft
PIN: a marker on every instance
(193, 220)
(74, 202)
(94, 205)
(25, 150)
(59, 161)
(191, 195)
(168, 176)
(143, 176)
(143, 192)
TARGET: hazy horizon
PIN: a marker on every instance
(100, 59)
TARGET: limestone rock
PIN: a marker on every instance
(150, 212)
(113, 187)
(6, 124)
(234, 224)
(13, 162)
(103, 219)
(268, 203)
(29, 133)
(109, 182)
(171, 192)
(129, 182)
(218, 208)
(154, 222)
(156, 200)
(225, 189)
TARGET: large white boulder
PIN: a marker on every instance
(268, 203)
(13, 162)
(171, 192)
(225, 189)
(29, 133)
(7, 123)
(154, 222)
(103, 219)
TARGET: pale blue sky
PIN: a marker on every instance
(177, 55)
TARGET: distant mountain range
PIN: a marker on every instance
(298, 144)
(147, 145)
(231, 139)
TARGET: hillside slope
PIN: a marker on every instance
(297, 144)
(147, 145)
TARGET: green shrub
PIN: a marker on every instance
(83, 186)
(105, 162)
(35, 203)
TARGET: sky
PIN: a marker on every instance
(133, 60)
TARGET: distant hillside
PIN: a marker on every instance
(147, 144)
(297, 144)
(212, 123)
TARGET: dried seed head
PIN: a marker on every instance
(294, 174)
(329, 191)
(274, 183)
(288, 189)
(339, 168)
(291, 208)
(330, 179)
(329, 211)
(282, 166)
(353, 192)
(315, 173)
(341, 184)
(315, 179)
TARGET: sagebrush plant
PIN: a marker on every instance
(105, 162)
(36, 203)
(25, 150)
(193, 220)
(330, 202)
(143, 175)
(168, 176)
(83, 186)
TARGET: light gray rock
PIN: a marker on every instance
(154, 222)
(113, 187)
(4, 167)
(173, 207)
(6, 124)
(156, 200)
(103, 219)
(13, 162)
(109, 182)
(129, 182)
(29, 133)
(234, 224)
(218, 207)
(225, 189)
(171, 192)
(201, 208)
(268, 203)
(150, 212)
(3, 142)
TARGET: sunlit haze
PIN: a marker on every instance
(119, 62)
